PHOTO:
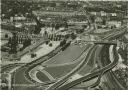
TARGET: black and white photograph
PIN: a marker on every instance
(64, 45)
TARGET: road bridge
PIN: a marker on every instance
(100, 42)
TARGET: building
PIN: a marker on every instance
(98, 20)
(58, 13)
(77, 23)
(18, 18)
(114, 23)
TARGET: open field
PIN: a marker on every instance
(67, 56)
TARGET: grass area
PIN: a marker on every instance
(21, 81)
(41, 76)
(69, 55)
(20, 74)
(28, 87)
(60, 71)
(84, 70)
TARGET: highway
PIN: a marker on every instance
(57, 86)
(92, 75)
(94, 62)
(21, 71)
(115, 34)
(24, 68)
(57, 62)
(98, 81)
(10, 66)
(65, 78)
(110, 75)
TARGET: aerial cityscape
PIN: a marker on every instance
(64, 45)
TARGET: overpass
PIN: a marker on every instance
(100, 42)
(106, 42)
(61, 85)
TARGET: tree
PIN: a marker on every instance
(24, 43)
(6, 35)
(65, 24)
(32, 55)
(84, 26)
(57, 26)
(29, 41)
(50, 44)
(92, 18)
(59, 37)
(65, 46)
(45, 34)
(63, 42)
(37, 29)
(80, 31)
(14, 43)
(104, 22)
(52, 37)
(67, 36)
(9, 40)
(47, 42)
(52, 26)
(73, 36)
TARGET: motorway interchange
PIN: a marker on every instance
(81, 62)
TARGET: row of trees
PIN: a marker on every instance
(64, 44)
(14, 41)
(56, 26)
(59, 37)
(26, 43)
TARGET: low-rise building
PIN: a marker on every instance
(114, 23)
(19, 18)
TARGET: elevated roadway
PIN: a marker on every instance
(102, 42)
(91, 75)
(57, 86)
